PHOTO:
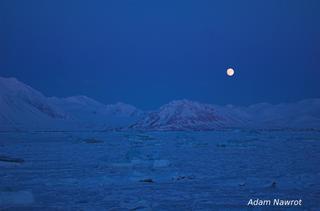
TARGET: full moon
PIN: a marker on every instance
(230, 72)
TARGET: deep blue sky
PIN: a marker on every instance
(147, 53)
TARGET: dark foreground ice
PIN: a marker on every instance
(218, 170)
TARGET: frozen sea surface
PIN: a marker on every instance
(218, 170)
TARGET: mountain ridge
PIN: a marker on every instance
(24, 108)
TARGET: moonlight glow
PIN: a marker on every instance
(230, 72)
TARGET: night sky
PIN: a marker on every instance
(147, 53)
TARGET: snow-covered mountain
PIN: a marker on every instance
(24, 108)
(303, 114)
(95, 115)
(188, 115)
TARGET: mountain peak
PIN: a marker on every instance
(186, 104)
(14, 86)
(20, 103)
(182, 114)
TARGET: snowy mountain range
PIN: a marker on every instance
(24, 108)
(185, 115)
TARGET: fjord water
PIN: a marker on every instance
(158, 170)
